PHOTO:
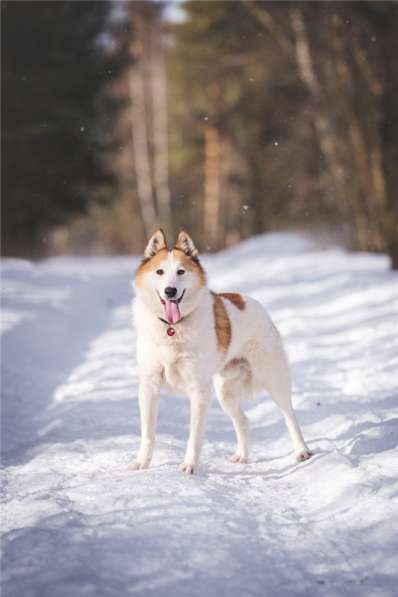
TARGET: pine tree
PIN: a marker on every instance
(56, 67)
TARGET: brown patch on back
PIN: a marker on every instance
(149, 264)
(235, 298)
(221, 323)
(190, 264)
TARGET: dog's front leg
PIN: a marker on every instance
(200, 400)
(148, 399)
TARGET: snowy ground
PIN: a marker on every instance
(77, 522)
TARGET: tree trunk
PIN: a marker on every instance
(323, 126)
(140, 136)
(389, 132)
(212, 186)
(160, 131)
(307, 74)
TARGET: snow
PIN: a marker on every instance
(77, 522)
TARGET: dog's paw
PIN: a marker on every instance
(239, 458)
(304, 455)
(187, 467)
(137, 465)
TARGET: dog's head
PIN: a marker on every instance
(170, 281)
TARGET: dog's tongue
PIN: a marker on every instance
(172, 311)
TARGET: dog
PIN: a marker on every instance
(188, 336)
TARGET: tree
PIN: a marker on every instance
(343, 53)
(55, 71)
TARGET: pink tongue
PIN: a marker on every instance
(172, 311)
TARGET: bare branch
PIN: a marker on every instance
(266, 20)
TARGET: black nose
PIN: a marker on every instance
(170, 291)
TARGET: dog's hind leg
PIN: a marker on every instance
(229, 389)
(270, 370)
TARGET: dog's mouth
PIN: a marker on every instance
(171, 308)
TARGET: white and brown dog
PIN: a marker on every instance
(188, 336)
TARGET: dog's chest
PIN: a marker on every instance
(179, 373)
(182, 364)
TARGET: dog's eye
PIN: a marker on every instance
(180, 272)
(160, 272)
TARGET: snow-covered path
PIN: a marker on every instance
(77, 522)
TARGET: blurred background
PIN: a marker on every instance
(228, 118)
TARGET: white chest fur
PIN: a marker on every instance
(191, 354)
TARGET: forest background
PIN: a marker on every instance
(229, 118)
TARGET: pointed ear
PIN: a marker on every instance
(185, 243)
(156, 243)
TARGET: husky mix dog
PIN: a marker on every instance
(188, 336)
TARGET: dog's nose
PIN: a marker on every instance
(170, 292)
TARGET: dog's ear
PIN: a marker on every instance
(186, 244)
(156, 243)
